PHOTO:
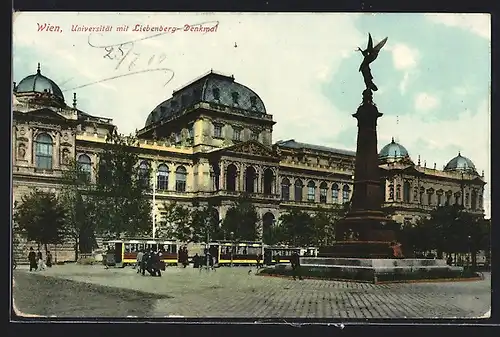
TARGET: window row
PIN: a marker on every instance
(237, 133)
(441, 198)
(298, 189)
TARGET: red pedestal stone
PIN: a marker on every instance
(365, 232)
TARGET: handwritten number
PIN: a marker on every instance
(162, 58)
(132, 64)
(131, 45)
(109, 50)
(151, 60)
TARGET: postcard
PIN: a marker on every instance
(252, 166)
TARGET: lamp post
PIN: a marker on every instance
(232, 247)
(207, 246)
(153, 213)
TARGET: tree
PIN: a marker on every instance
(241, 219)
(75, 197)
(121, 192)
(298, 227)
(206, 221)
(275, 234)
(324, 227)
(40, 217)
(176, 222)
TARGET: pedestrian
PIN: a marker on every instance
(185, 256)
(32, 259)
(138, 262)
(295, 261)
(259, 258)
(144, 262)
(196, 261)
(449, 260)
(41, 264)
(49, 259)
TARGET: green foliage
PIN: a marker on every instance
(298, 228)
(40, 217)
(175, 223)
(449, 229)
(121, 200)
(241, 219)
(75, 196)
(205, 221)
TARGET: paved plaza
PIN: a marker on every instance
(88, 291)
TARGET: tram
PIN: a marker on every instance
(121, 253)
(236, 253)
(309, 251)
(279, 254)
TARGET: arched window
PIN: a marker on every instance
(268, 181)
(311, 191)
(144, 173)
(43, 152)
(323, 190)
(250, 176)
(335, 193)
(180, 179)
(231, 174)
(391, 192)
(457, 198)
(103, 174)
(406, 192)
(473, 204)
(85, 166)
(346, 191)
(466, 199)
(162, 178)
(285, 189)
(448, 198)
(398, 192)
(298, 190)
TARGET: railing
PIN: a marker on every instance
(40, 172)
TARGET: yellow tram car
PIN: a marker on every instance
(121, 253)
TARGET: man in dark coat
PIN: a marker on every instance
(32, 259)
(295, 261)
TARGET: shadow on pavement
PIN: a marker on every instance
(36, 294)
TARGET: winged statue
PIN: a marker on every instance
(370, 54)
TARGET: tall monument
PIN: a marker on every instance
(365, 231)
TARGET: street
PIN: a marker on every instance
(91, 291)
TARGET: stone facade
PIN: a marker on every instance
(203, 149)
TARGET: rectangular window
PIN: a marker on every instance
(311, 191)
(322, 195)
(178, 137)
(335, 196)
(217, 131)
(298, 193)
(345, 196)
(285, 192)
(191, 131)
(429, 199)
(236, 134)
(440, 200)
(254, 135)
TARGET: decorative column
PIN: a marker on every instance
(222, 175)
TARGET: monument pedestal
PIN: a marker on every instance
(373, 270)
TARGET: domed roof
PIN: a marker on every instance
(211, 88)
(460, 163)
(393, 152)
(39, 83)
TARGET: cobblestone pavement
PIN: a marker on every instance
(233, 292)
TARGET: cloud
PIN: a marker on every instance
(404, 57)
(478, 23)
(425, 102)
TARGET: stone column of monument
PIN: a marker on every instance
(365, 231)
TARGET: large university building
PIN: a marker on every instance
(212, 142)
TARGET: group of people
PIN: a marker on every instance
(149, 261)
(36, 260)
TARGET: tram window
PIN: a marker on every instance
(245, 252)
(140, 246)
(133, 247)
(127, 247)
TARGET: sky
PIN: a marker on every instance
(433, 73)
